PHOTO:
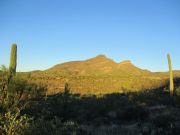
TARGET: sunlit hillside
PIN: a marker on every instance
(99, 75)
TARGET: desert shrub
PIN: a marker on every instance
(177, 91)
(133, 113)
(151, 97)
(54, 126)
(164, 124)
(13, 123)
(11, 89)
(162, 121)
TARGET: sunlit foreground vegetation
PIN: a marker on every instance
(26, 109)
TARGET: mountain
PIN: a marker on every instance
(97, 66)
(99, 75)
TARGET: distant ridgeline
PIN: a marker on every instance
(99, 75)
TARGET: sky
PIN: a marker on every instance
(49, 32)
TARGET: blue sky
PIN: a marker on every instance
(49, 32)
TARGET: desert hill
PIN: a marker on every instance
(97, 66)
(99, 75)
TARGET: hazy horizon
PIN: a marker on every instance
(52, 32)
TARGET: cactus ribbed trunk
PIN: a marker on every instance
(13, 60)
(171, 87)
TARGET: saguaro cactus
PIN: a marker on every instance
(171, 86)
(13, 59)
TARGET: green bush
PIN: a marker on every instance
(13, 123)
(11, 120)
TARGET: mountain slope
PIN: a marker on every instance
(99, 75)
(99, 65)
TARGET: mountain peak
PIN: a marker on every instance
(99, 65)
(100, 58)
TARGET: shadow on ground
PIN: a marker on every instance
(147, 112)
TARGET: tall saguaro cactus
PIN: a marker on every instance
(13, 59)
(171, 87)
